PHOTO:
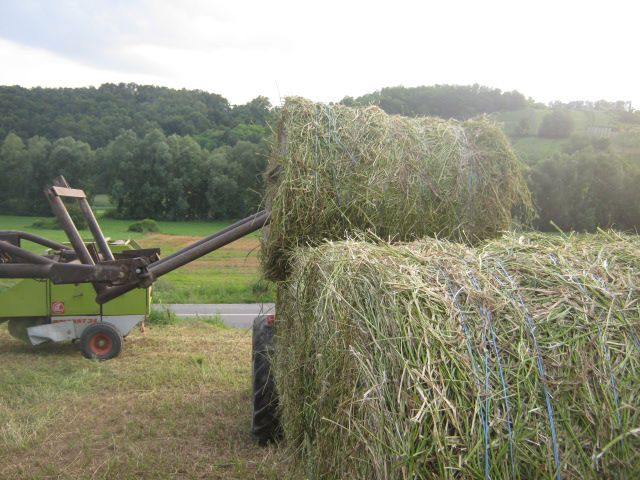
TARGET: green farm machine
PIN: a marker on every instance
(97, 291)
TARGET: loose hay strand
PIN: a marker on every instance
(516, 358)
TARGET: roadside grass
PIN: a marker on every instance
(175, 404)
(229, 275)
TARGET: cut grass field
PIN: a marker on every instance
(229, 275)
(175, 404)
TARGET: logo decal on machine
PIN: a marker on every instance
(57, 307)
(75, 320)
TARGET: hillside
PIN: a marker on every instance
(97, 115)
(621, 132)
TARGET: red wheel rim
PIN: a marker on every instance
(101, 344)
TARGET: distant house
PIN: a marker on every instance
(600, 132)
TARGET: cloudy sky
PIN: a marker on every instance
(324, 50)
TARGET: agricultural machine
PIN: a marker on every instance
(97, 291)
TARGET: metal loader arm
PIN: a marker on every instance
(189, 254)
(99, 268)
(14, 237)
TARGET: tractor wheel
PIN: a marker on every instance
(265, 421)
(18, 327)
(102, 341)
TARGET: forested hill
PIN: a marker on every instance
(97, 115)
(446, 101)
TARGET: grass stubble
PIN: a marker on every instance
(175, 404)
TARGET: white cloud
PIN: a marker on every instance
(33, 67)
(325, 50)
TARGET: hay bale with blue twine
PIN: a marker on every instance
(336, 170)
(517, 358)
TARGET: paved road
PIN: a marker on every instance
(237, 315)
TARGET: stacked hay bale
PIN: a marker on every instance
(336, 170)
(516, 359)
(513, 358)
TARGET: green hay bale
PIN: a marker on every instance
(335, 170)
(144, 226)
(395, 362)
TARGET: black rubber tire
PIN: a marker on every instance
(265, 419)
(101, 341)
(18, 327)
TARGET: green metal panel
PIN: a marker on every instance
(74, 299)
(27, 298)
(40, 298)
(136, 302)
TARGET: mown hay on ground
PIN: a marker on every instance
(516, 359)
(336, 170)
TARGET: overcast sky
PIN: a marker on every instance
(326, 49)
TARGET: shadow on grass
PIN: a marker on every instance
(15, 346)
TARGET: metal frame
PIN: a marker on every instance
(111, 275)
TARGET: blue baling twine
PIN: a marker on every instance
(614, 385)
(474, 366)
(605, 346)
(486, 390)
(486, 315)
(506, 397)
(486, 404)
(547, 396)
(607, 354)
(635, 340)
(471, 176)
(600, 282)
(332, 135)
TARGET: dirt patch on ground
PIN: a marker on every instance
(251, 263)
(161, 239)
(176, 242)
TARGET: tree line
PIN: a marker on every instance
(446, 101)
(147, 176)
(157, 152)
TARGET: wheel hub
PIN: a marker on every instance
(101, 344)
